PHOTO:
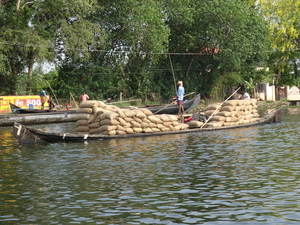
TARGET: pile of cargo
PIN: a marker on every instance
(98, 118)
(232, 112)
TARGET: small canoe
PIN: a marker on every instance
(173, 108)
(25, 134)
(17, 110)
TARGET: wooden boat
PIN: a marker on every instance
(17, 110)
(25, 134)
(173, 108)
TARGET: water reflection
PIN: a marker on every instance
(242, 176)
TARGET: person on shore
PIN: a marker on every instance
(180, 95)
(51, 104)
(245, 95)
(43, 97)
(84, 97)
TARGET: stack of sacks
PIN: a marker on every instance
(232, 112)
(111, 120)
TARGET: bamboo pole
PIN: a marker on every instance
(218, 108)
(74, 100)
(172, 103)
(173, 72)
(53, 92)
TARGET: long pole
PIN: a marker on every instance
(74, 100)
(172, 72)
(53, 92)
(218, 108)
(172, 103)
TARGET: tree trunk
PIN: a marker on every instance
(30, 70)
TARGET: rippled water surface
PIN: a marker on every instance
(242, 176)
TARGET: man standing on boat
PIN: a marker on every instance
(43, 97)
(84, 97)
(245, 95)
(180, 94)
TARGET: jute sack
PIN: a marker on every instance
(109, 122)
(143, 124)
(137, 119)
(173, 118)
(160, 126)
(147, 130)
(82, 116)
(137, 129)
(226, 124)
(152, 125)
(121, 113)
(122, 121)
(210, 112)
(147, 112)
(85, 110)
(168, 124)
(96, 109)
(175, 123)
(164, 117)
(146, 120)
(101, 104)
(165, 129)
(109, 115)
(218, 118)
(224, 113)
(228, 119)
(231, 103)
(111, 107)
(194, 123)
(135, 124)
(155, 119)
(254, 120)
(234, 119)
(97, 115)
(120, 132)
(106, 128)
(81, 123)
(154, 129)
(88, 104)
(128, 119)
(130, 113)
(214, 124)
(140, 114)
(82, 129)
(212, 106)
(93, 131)
(109, 132)
(94, 125)
(119, 127)
(129, 130)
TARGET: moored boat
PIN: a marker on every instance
(25, 134)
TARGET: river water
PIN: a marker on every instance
(241, 176)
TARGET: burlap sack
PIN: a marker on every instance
(146, 120)
(128, 119)
(137, 129)
(120, 132)
(210, 112)
(167, 124)
(135, 124)
(94, 131)
(121, 113)
(218, 118)
(160, 126)
(140, 114)
(88, 104)
(122, 121)
(228, 108)
(143, 124)
(81, 123)
(129, 131)
(234, 119)
(147, 112)
(101, 104)
(155, 129)
(175, 123)
(253, 120)
(224, 113)
(111, 107)
(231, 103)
(212, 107)
(94, 125)
(152, 125)
(164, 117)
(214, 124)
(130, 113)
(82, 129)
(194, 123)
(137, 119)
(147, 130)
(82, 116)
(85, 110)
(109, 115)
(164, 129)
(106, 128)
(109, 122)
(155, 119)
(109, 132)
(119, 127)
(173, 118)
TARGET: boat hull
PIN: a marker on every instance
(27, 135)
